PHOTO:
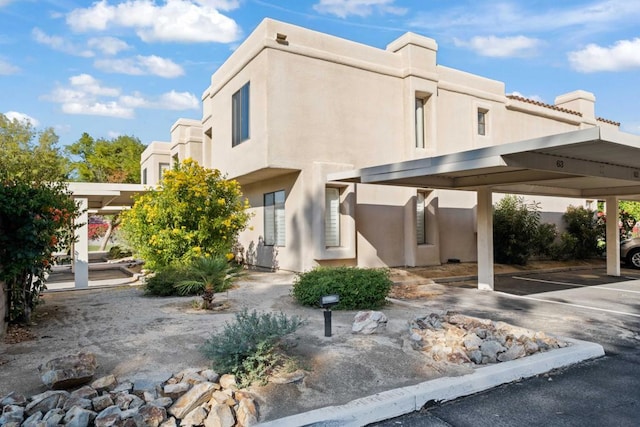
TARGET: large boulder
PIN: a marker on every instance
(68, 371)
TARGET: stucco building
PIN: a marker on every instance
(292, 106)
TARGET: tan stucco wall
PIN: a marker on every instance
(156, 153)
(320, 104)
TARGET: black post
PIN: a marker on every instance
(327, 322)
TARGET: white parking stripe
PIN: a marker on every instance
(569, 304)
(574, 284)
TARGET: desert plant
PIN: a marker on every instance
(359, 288)
(515, 228)
(545, 240)
(163, 282)
(250, 346)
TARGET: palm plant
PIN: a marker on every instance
(211, 275)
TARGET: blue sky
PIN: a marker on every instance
(114, 67)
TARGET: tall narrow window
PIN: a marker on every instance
(144, 176)
(274, 219)
(332, 217)
(240, 115)
(162, 168)
(420, 219)
(482, 121)
(419, 122)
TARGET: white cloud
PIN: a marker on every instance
(5, 2)
(501, 47)
(7, 68)
(523, 17)
(173, 21)
(113, 134)
(22, 117)
(623, 55)
(141, 65)
(344, 8)
(60, 44)
(108, 45)
(86, 95)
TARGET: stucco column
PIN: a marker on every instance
(485, 239)
(613, 237)
(81, 247)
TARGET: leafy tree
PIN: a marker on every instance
(515, 230)
(583, 228)
(195, 212)
(30, 155)
(103, 160)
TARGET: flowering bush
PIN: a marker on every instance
(36, 220)
(195, 212)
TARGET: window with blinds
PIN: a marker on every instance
(420, 219)
(274, 219)
(332, 217)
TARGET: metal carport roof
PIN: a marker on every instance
(594, 163)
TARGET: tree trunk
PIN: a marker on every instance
(113, 223)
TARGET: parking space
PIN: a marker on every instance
(583, 289)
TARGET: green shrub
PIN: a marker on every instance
(250, 347)
(580, 241)
(515, 227)
(545, 240)
(116, 252)
(359, 288)
(163, 282)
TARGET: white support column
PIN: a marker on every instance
(485, 239)
(81, 247)
(613, 237)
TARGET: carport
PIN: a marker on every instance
(98, 199)
(595, 163)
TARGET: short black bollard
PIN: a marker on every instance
(327, 322)
(327, 302)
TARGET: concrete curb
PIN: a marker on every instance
(393, 403)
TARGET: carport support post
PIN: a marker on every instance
(81, 247)
(613, 236)
(485, 239)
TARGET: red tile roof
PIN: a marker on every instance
(542, 104)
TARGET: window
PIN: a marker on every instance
(420, 122)
(274, 219)
(144, 176)
(176, 161)
(163, 167)
(482, 121)
(332, 217)
(420, 219)
(240, 115)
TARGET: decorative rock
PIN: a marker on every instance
(68, 371)
(77, 402)
(44, 402)
(176, 390)
(84, 392)
(151, 416)
(199, 394)
(472, 342)
(220, 416)
(228, 381)
(13, 398)
(211, 375)
(32, 421)
(218, 397)
(169, 422)
(126, 387)
(490, 350)
(162, 402)
(78, 417)
(108, 417)
(102, 402)
(142, 385)
(53, 417)
(367, 322)
(193, 378)
(194, 418)
(12, 413)
(247, 414)
(512, 353)
(106, 383)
